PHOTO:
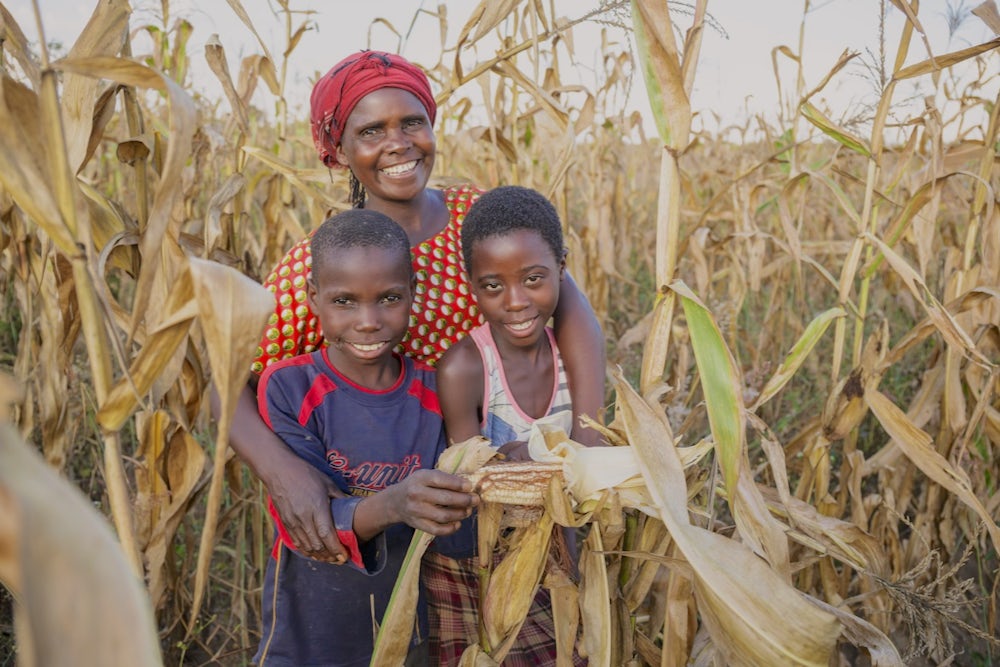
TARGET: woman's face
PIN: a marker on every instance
(388, 143)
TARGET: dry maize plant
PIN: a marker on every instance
(809, 432)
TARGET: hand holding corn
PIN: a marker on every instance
(515, 450)
(429, 500)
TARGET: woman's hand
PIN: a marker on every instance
(300, 493)
(294, 489)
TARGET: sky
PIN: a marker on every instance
(735, 76)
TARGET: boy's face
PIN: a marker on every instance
(515, 278)
(362, 297)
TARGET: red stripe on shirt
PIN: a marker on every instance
(350, 542)
(347, 538)
(428, 397)
(321, 386)
(283, 536)
(302, 360)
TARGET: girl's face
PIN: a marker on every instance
(388, 144)
(515, 278)
(362, 297)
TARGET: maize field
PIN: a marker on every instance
(802, 317)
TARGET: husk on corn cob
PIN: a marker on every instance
(518, 483)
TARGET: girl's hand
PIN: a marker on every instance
(515, 450)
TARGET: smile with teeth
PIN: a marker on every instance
(398, 169)
(521, 326)
(371, 347)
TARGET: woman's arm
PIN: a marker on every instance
(300, 493)
(581, 344)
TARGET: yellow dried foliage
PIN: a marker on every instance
(134, 218)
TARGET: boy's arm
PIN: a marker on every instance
(460, 390)
(581, 344)
(430, 500)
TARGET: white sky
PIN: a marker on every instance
(735, 74)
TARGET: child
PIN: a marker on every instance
(506, 374)
(369, 419)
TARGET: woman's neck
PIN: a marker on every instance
(421, 217)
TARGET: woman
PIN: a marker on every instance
(373, 114)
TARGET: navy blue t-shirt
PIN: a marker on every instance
(316, 613)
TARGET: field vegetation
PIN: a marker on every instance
(803, 313)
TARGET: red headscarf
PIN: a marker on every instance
(335, 95)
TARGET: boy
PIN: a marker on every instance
(369, 419)
(505, 375)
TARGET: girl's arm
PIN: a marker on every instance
(460, 390)
(581, 344)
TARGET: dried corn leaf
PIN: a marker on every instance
(17, 44)
(215, 55)
(859, 632)
(829, 535)
(513, 585)
(661, 68)
(919, 448)
(297, 176)
(595, 600)
(679, 619)
(988, 14)
(104, 35)
(565, 614)
(232, 310)
(178, 313)
(240, 12)
(831, 129)
(942, 319)
(938, 63)
(755, 626)
(22, 174)
(754, 614)
(62, 562)
(393, 639)
(485, 17)
(654, 540)
(182, 119)
(184, 462)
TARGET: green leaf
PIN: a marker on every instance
(720, 382)
(828, 127)
(803, 346)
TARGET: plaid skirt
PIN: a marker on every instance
(452, 589)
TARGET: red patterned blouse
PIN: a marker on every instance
(444, 310)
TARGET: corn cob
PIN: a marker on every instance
(521, 483)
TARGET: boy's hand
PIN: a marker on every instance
(430, 500)
(301, 495)
(515, 450)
